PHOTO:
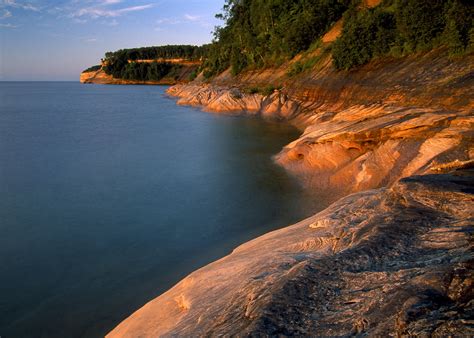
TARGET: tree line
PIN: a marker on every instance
(143, 71)
(92, 69)
(402, 27)
(187, 52)
(261, 33)
(265, 33)
(120, 63)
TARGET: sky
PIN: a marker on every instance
(54, 40)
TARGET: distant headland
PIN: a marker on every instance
(382, 93)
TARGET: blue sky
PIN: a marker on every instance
(56, 40)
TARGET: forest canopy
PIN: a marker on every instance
(121, 64)
(265, 33)
(187, 52)
(143, 71)
(402, 27)
(92, 69)
(260, 33)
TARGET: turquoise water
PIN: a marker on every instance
(109, 195)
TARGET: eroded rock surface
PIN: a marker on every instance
(362, 148)
(346, 150)
(391, 261)
(395, 258)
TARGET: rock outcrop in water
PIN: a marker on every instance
(392, 261)
(394, 257)
(345, 149)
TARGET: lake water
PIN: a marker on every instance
(109, 195)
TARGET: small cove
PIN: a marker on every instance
(109, 195)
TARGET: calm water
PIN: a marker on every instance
(111, 194)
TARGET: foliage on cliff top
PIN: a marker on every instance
(187, 52)
(142, 71)
(120, 63)
(92, 69)
(401, 27)
(263, 33)
(259, 33)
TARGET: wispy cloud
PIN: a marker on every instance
(190, 17)
(162, 23)
(8, 25)
(19, 4)
(197, 19)
(100, 12)
(185, 19)
(168, 21)
(89, 40)
(5, 14)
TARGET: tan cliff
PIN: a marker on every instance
(391, 144)
(394, 257)
(356, 148)
(362, 129)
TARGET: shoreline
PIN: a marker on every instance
(351, 149)
(341, 154)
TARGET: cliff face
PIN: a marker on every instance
(363, 148)
(99, 77)
(363, 129)
(394, 261)
(431, 80)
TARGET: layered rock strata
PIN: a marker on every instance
(392, 261)
(345, 150)
(394, 257)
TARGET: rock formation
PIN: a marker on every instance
(354, 140)
(393, 257)
(393, 261)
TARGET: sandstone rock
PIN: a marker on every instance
(395, 258)
(353, 149)
(395, 261)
